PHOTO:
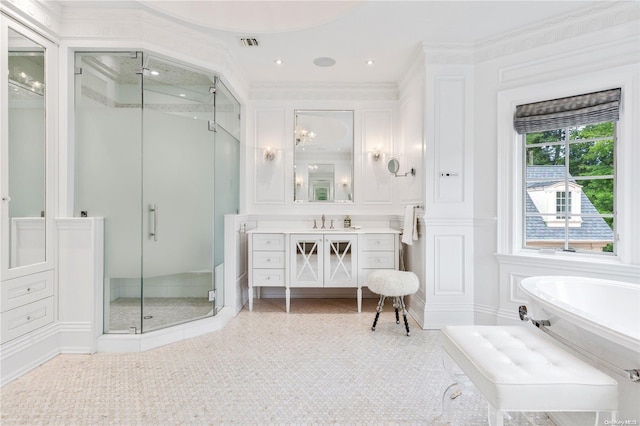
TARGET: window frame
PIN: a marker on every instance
(509, 170)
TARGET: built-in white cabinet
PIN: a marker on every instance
(27, 142)
(329, 259)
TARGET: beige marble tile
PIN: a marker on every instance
(319, 364)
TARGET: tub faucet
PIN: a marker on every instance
(323, 218)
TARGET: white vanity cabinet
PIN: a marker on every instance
(377, 251)
(267, 262)
(317, 259)
(323, 260)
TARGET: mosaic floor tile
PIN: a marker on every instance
(319, 364)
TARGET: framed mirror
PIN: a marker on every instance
(26, 151)
(323, 156)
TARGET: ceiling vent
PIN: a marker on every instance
(249, 42)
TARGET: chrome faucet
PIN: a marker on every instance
(323, 218)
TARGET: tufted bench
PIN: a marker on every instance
(518, 369)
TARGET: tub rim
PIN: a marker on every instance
(578, 317)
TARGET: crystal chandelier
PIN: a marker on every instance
(304, 136)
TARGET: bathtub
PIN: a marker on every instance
(610, 309)
(600, 319)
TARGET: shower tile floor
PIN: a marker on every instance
(159, 312)
(319, 364)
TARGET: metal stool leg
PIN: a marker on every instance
(404, 313)
(378, 310)
(396, 305)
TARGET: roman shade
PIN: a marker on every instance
(596, 107)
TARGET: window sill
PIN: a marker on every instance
(573, 264)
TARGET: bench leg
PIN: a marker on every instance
(496, 417)
(614, 418)
(378, 310)
(448, 395)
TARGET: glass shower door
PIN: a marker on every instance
(107, 182)
(177, 200)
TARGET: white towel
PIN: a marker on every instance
(410, 231)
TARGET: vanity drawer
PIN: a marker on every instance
(377, 242)
(27, 289)
(268, 278)
(268, 242)
(22, 320)
(268, 259)
(377, 259)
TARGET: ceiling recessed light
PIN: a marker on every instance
(369, 62)
(278, 61)
(155, 72)
(182, 95)
(324, 62)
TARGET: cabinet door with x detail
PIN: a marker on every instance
(340, 260)
(306, 260)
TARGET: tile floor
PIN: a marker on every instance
(159, 312)
(320, 364)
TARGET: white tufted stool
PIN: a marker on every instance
(516, 369)
(396, 284)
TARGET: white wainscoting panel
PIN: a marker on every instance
(80, 282)
(377, 135)
(449, 287)
(269, 178)
(449, 265)
(449, 139)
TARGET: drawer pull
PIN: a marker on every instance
(268, 278)
(377, 260)
(377, 242)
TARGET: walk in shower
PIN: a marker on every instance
(157, 155)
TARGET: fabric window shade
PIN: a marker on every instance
(589, 108)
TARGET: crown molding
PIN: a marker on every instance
(448, 53)
(43, 17)
(139, 29)
(324, 91)
(601, 17)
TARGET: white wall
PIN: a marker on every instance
(593, 52)
(561, 63)
(270, 123)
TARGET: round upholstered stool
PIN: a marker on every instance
(396, 284)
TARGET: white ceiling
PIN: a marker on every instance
(389, 32)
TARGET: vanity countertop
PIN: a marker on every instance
(324, 231)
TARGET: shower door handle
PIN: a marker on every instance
(153, 227)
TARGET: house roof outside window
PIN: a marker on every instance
(591, 229)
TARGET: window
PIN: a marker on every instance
(563, 204)
(569, 177)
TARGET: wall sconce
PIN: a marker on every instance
(269, 154)
(298, 183)
(344, 183)
(376, 154)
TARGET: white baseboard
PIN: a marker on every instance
(77, 338)
(21, 355)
